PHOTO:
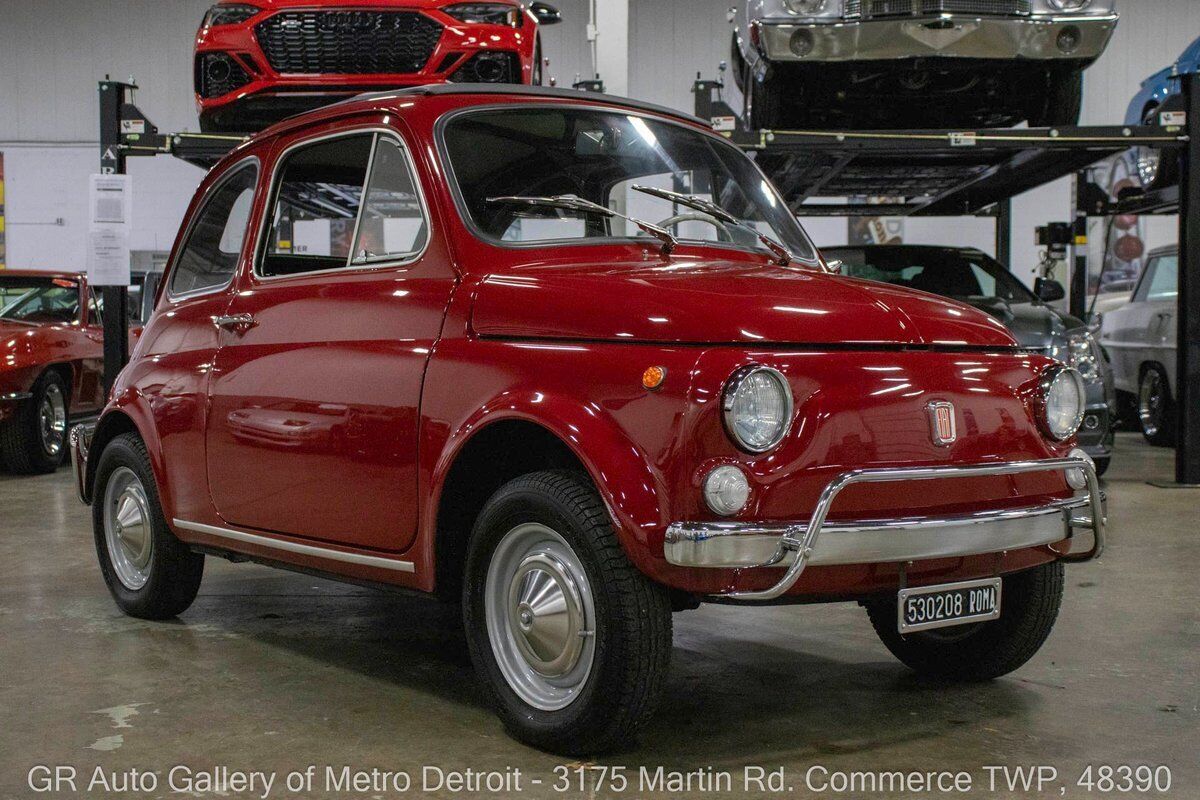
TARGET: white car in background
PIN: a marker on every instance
(1140, 338)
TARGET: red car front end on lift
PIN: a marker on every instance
(257, 62)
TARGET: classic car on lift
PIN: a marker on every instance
(51, 365)
(575, 419)
(971, 276)
(1160, 101)
(916, 63)
(259, 61)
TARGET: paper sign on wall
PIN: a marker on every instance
(110, 199)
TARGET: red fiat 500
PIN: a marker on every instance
(261, 60)
(569, 359)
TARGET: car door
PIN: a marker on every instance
(89, 385)
(1161, 302)
(1126, 330)
(314, 401)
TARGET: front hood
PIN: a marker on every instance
(714, 301)
(1035, 326)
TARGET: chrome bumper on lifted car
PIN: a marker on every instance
(1079, 38)
(81, 442)
(796, 545)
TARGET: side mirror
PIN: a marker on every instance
(1048, 291)
(546, 14)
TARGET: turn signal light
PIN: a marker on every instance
(653, 377)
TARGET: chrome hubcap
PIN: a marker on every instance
(1150, 403)
(127, 530)
(52, 420)
(540, 616)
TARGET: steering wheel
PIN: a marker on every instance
(723, 233)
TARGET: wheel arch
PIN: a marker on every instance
(503, 446)
(124, 416)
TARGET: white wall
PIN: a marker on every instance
(48, 75)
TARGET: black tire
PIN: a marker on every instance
(737, 63)
(1063, 100)
(632, 624)
(980, 652)
(174, 570)
(1156, 408)
(765, 101)
(1102, 465)
(23, 445)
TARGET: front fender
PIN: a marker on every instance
(632, 490)
(126, 412)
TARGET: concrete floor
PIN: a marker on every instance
(273, 671)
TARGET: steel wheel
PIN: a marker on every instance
(1151, 403)
(127, 528)
(540, 616)
(52, 420)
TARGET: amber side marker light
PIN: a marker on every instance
(653, 377)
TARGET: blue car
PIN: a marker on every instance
(1162, 91)
(1164, 88)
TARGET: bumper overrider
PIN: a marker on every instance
(81, 442)
(796, 545)
(942, 35)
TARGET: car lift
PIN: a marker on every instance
(925, 172)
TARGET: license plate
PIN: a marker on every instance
(949, 604)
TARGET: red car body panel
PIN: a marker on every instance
(337, 419)
(457, 43)
(28, 349)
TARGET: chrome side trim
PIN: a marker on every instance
(16, 396)
(882, 540)
(300, 549)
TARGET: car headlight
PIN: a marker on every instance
(229, 14)
(486, 14)
(1063, 402)
(758, 408)
(1070, 5)
(1080, 352)
(805, 8)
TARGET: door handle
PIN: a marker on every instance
(238, 323)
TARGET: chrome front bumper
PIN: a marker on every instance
(81, 442)
(735, 545)
(941, 35)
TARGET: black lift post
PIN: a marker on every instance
(116, 298)
(1187, 452)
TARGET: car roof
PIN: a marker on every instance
(41, 273)
(521, 90)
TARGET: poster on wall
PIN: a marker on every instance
(110, 198)
(3, 245)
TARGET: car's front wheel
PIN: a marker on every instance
(984, 650)
(572, 641)
(149, 572)
(34, 439)
(1156, 411)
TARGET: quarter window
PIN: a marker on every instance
(1161, 281)
(210, 254)
(319, 220)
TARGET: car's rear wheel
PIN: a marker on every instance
(984, 650)
(149, 572)
(1156, 410)
(573, 641)
(34, 439)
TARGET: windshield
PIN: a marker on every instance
(600, 156)
(39, 299)
(962, 275)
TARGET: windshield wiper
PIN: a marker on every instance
(782, 256)
(571, 202)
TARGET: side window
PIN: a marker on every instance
(210, 254)
(96, 306)
(1149, 274)
(393, 224)
(1164, 283)
(315, 206)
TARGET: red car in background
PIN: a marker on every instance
(261, 61)
(51, 365)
